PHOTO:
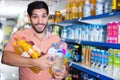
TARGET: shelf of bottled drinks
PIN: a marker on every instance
(83, 68)
(115, 13)
(88, 70)
(101, 44)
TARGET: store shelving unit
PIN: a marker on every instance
(91, 71)
(101, 16)
(101, 44)
(93, 17)
(83, 68)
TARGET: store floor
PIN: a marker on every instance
(8, 72)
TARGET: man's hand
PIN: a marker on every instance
(43, 62)
(60, 75)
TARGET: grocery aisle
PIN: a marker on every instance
(8, 72)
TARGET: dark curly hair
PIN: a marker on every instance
(37, 5)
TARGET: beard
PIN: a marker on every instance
(38, 31)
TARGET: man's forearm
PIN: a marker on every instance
(10, 58)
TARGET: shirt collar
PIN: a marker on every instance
(33, 32)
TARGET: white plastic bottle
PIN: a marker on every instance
(99, 7)
(64, 33)
(87, 9)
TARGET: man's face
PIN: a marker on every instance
(39, 20)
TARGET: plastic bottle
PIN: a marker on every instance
(99, 7)
(70, 32)
(24, 48)
(64, 33)
(90, 33)
(95, 33)
(114, 5)
(101, 34)
(93, 5)
(118, 5)
(74, 10)
(80, 8)
(68, 10)
(59, 56)
(18, 50)
(77, 33)
(84, 32)
(107, 6)
(28, 48)
(87, 9)
(59, 61)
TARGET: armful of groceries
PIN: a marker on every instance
(58, 52)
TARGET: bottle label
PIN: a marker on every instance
(25, 54)
(36, 48)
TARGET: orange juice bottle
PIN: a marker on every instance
(31, 51)
(93, 5)
(68, 10)
(80, 8)
(74, 9)
(18, 50)
(28, 48)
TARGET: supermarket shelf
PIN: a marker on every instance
(102, 15)
(101, 44)
(92, 17)
(90, 71)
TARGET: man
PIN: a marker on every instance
(38, 16)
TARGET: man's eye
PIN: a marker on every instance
(34, 16)
(44, 16)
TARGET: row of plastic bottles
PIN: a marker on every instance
(84, 8)
(84, 32)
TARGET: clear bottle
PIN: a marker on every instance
(90, 33)
(107, 6)
(99, 7)
(85, 32)
(87, 9)
(58, 53)
(77, 32)
(59, 61)
(101, 34)
(64, 32)
(70, 32)
(95, 33)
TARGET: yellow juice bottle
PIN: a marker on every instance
(67, 15)
(93, 5)
(31, 51)
(74, 9)
(114, 5)
(80, 8)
